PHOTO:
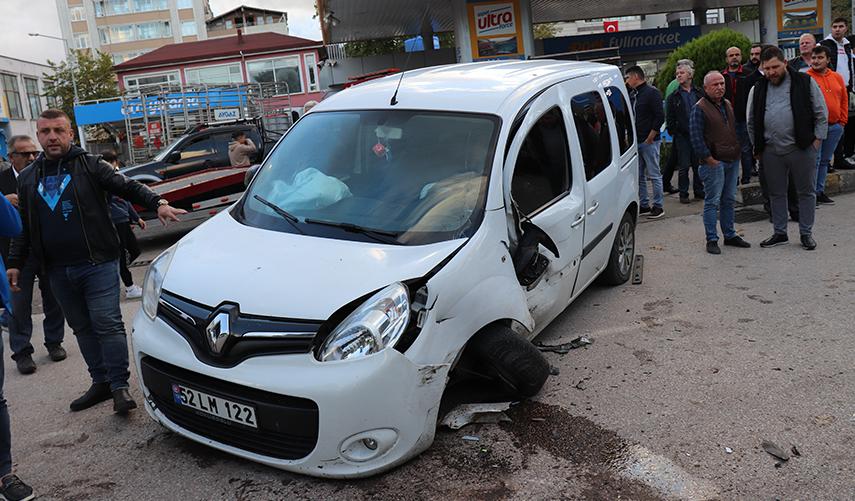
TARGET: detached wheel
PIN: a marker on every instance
(622, 255)
(511, 359)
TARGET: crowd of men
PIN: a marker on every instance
(783, 121)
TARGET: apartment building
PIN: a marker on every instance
(126, 29)
(21, 97)
(249, 20)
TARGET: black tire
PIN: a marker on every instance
(511, 359)
(622, 256)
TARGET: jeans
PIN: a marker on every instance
(648, 168)
(89, 297)
(21, 320)
(5, 426)
(746, 152)
(685, 160)
(720, 183)
(826, 151)
(801, 164)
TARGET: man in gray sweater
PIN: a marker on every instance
(787, 121)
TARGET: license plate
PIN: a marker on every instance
(215, 406)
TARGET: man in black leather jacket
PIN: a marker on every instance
(62, 199)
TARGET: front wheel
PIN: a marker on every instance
(511, 360)
(622, 255)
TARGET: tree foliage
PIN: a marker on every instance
(707, 52)
(94, 76)
(841, 8)
(545, 30)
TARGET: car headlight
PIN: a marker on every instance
(374, 326)
(154, 281)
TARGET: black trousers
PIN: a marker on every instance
(130, 250)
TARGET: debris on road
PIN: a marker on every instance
(637, 270)
(554, 371)
(728, 450)
(561, 349)
(471, 438)
(489, 413)
(776, 451)
(823, 419)
(795, 452)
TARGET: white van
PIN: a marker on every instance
(391, 237)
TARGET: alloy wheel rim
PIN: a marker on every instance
(626, 246)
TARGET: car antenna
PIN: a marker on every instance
(394, 99)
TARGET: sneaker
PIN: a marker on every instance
(822, 198)
(644, 210)
(122, 401)
(96, 394)
(56, 352)
(133, 292)
(684, 200)
(14, 489)
(808, 242)
(25, 364)
(712, 247)
(775, 239)
(656, 213)
(736, 241)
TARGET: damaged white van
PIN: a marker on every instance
(393, 236)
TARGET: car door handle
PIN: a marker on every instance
(592, 209)
(578, 221)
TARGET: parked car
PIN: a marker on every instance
(200, 148)
(380, 249)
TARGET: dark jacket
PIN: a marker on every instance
(798, 64)
(121, 211)
(649, 114)
(8, 185)
(800, 103)
(677, 118)
(832, 46)
(745, 79)
(92, 181)
(10, 225)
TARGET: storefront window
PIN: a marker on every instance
(284, 72)
(214, 75)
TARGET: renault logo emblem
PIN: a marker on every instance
(218, 331)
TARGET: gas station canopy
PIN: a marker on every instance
(354, 20)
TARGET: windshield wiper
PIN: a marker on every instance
(282, 212)
(382, 236)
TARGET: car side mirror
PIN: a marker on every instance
(173, 157)
(250, 173)
(529, 264)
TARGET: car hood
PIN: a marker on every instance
(288, 275)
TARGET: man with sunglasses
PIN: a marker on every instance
(22, 152)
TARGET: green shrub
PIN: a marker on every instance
(707, 52)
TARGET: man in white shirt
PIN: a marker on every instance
(844, 65)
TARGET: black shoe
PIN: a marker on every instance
(775, 239)
(684, 200)
(644, 210)
(671, 190)
(96, 394)
(699, 196)
(822, 198)
(25, 364)
(14, 489)
(808, 242)
(122, 401)
(737, 241)
(712, 247)
(56, 352)
(656, 213)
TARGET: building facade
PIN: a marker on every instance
(22, 100)
(249, 20)
(126, 29)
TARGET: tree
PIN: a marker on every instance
(374, 47)
(94, 76)
(545, 30)
(707, 52)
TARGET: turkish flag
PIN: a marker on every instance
(610, 26)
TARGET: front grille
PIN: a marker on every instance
(287, 426)
(190, 319)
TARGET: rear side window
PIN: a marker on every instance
(542, 169)
(620, 110)
(592, 127)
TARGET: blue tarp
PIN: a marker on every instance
(416, 44)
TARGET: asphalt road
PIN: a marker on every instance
(688, 374)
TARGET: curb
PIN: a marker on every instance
(841, 181)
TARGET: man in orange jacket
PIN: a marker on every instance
(837, 101)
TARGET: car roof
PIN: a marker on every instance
(484, 87)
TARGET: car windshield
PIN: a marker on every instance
(161, 156)
(402, 177)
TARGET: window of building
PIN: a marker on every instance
(185, 4)
(150, 5)
(592, 128)
(188, 29)
(229, 24)
(260, 20)
(283, 71)
(112, 7)
(214, 75)
(13, 96)
(81, 41)
(623, 120)
(158, 29)
(137, 81)
(77, 13)
(542, 169)
(31, 86)
(269, 19)
(116, 33)
(312, 72)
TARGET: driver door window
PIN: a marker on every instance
(203, 146)
(542, 170)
